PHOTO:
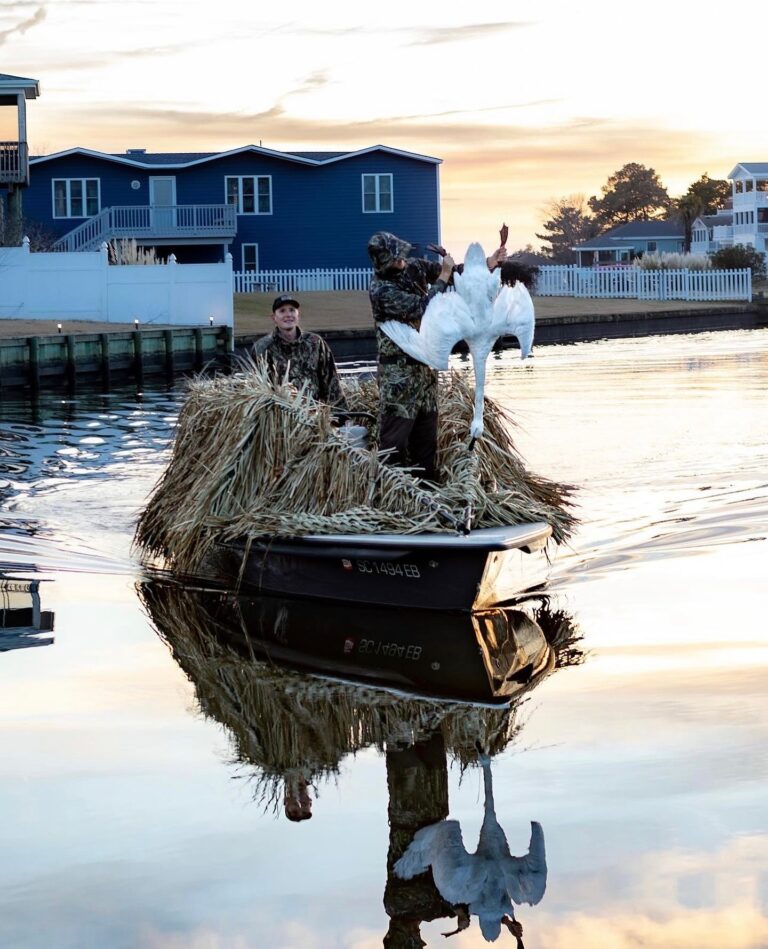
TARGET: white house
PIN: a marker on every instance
(746, 221)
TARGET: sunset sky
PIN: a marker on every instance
(524, 103)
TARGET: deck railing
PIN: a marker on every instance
(13, 162)
(148, 223)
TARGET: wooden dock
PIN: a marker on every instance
(34, 363)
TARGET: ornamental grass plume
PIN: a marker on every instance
(658, 260)
(254, 458)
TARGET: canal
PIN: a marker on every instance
(157, 777)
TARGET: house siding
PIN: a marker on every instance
(317, 218)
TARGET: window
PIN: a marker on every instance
(377, 194)
(652, 245)
(250, 254)
(250, 194)
(76, 197)
(738, 186)
(762, 184)
(748, 184)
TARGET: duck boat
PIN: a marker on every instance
(435, 571)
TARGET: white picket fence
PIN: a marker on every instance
(296, 281)
(636, 283)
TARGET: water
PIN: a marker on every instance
(142, 776)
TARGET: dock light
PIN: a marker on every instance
(58, 325)
(135, 324)
(210, 321)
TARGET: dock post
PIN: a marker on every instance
(34, 364)
(105, 368)
(169, 360)
(138, 357)
(71, 369)
(198, 349)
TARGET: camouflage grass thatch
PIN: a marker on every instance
(256, 458)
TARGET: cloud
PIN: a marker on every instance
(424, 36)
(456, 34)
(22, 27)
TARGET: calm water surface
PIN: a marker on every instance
(146, 754)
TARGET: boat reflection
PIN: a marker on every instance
(21, 618)
(300, 686)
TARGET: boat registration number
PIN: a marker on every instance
(388, 568)
(376, 647)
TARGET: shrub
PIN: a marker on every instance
(739, 257)
(662, 261)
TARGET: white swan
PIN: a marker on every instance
(488, 880)
(479, 312)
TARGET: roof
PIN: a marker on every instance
(626, 235)
(30, 87)
(137, 158)
(750, 167)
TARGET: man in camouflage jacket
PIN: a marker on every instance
(305, 356)
(400, 290)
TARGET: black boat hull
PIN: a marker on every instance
(435, 572)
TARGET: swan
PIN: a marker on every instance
(488, 880)
(479, 312)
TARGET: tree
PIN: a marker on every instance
(633, 193)
(739, 257)
(704, 196)
(569, 223)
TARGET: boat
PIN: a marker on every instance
(432, 571)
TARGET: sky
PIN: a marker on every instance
(524, 104)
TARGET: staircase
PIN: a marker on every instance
(183, 222)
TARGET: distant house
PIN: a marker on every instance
(623, 243)
(269, 209)
(746, 221)
(14, 155)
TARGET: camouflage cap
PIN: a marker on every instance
(384, 248)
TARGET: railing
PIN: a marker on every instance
(147, 223)
(636, 283)
(13, 162)
(296, 281)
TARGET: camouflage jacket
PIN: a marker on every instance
(307, 359)
(406, 386)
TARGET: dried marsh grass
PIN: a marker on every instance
(254, 458)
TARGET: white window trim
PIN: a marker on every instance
(239, 205)
(377, 175)
(242, 256)
(68, 215)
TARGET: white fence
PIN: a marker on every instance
(553, 281)
(83, 286)
(639, 284)
(296, 281)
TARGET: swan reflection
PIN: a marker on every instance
(297, 695)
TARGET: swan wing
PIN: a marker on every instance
(446, 320)
(437, 843)
(513, 313)
(526, 877)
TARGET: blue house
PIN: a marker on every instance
(623, 243)
(269, 209)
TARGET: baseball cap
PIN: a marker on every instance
(282, 300)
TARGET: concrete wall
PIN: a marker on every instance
(83, 286)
